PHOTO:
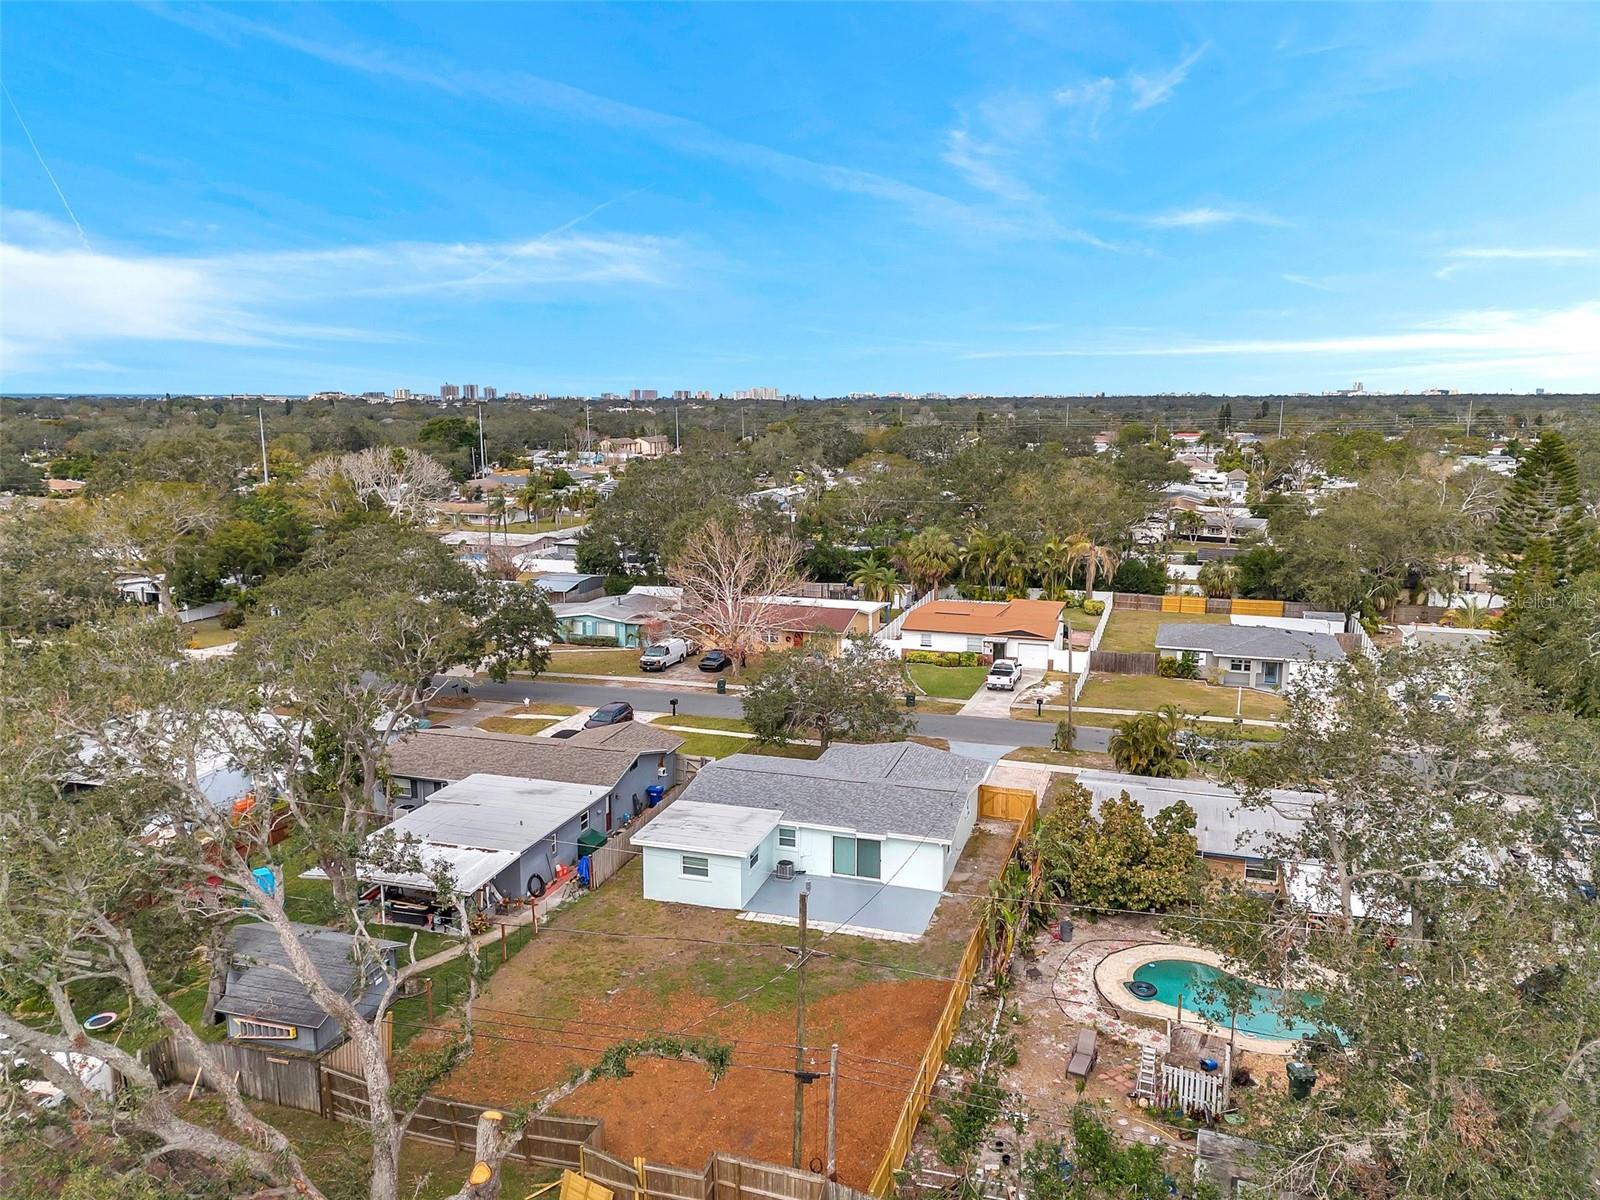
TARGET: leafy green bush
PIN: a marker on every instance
(943, 658)
(1186, 666)
(1093, 608)
(231, 619)
(591, 640)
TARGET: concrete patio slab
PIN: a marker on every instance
(855, 906)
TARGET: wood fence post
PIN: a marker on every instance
(325, 1092)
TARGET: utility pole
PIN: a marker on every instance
(1470, 399)
(1282, 404)
(833, 1112)
(262, 422)
(800, 1040)
(483, 451)
(741, 423)
(677, 440)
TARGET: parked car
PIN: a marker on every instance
(614, 713)
(716, 660)
(1003, 676)
(665, 653)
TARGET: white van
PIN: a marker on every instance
(665, 653)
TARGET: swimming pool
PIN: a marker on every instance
(1175, 977)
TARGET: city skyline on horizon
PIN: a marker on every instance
(1128, 200)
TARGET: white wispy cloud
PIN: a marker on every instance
(979, 163)
(1561, 343)
(1468, 256)
(1206, 217)
(1156, 88)
(60, 297)
(522, 89)
(1091, 100)
(1309, 281)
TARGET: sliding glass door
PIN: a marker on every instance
(857, 856)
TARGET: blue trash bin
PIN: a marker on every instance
(653, 794)
(583, 871)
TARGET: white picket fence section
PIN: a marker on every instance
(890, 633)
(1109, 599)
(1184, 1088)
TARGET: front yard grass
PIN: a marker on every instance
(202, 635)
(1077, 619)
(1148, 692)
(949, 683)
(1135, 632)
(595, 662)
(527, 726)
(722, 724)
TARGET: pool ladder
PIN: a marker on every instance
(1146, 1085)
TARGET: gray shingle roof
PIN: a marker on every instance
(1248, 641)
(452, 754)
(630, 607)
(1223, 825)
(901, 788)
(263, 992)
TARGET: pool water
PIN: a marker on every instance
(1175, 977)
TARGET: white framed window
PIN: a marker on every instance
(400, 789)
(974, 645)
(925, 640)
(697, 866)
(1262, 871)
(755, 856)
(788, 838)
(1239, 665)
(583, 820)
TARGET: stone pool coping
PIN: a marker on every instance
(1115, 971)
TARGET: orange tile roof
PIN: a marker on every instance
(1028, 618)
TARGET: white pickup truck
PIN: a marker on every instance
(665, 653)
(1003, 675)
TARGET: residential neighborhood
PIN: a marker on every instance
(1004, 605)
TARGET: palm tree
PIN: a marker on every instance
(1011, 563)
(978, 558)
(497, 506)
(1190, 522)
(929, 557)
(875, 580)
(1095, 559)
(1051, 563)
(532, 495)
(1148, 744)
(1218, 578)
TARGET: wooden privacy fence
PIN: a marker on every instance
(1195, 605)
(287, 1080)
(724, 1177)
(905, 1128)
(1124, 662)
(1004, 803)
(554, 1141)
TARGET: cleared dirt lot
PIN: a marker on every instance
(577, 989)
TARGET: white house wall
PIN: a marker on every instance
(723, 888)
(908, 863)
(964, 823)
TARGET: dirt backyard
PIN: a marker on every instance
(579, 988)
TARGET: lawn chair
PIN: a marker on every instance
(1081, 1064)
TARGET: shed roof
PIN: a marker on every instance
(1248, 641)
(902, 789)
(700, 827)
(1223, 824)
(1025, 618)
(566, 581)
(592, 757)
(265, 992)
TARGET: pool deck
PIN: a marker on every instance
(1115, 971)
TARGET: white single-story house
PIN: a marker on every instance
(1246, 655)
(1025, 630)
(875, 830)
(630, 620)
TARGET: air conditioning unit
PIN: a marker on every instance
(784, 869)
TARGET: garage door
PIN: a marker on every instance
(1034, 655)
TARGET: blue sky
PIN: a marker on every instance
(818, 198)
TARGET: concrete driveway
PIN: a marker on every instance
(985, 703)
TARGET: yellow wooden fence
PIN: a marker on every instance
(1004, 803)
(944, 1033)
(1183, 604)
(1257, 608)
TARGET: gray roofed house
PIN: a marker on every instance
(625, 619)
(1250, 656)
(264, 1003)
(569, 586)
(1224, 826)
(873, 831)
(626, 759)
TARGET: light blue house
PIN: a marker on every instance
(631, 620)
(875, 831)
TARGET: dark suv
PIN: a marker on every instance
(614, 713)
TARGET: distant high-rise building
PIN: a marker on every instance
(642, 395)
(402, 393)
(683, 394)
(490, 393)
(449, 391)
(469, 392)
(762, 393)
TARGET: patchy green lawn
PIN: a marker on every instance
(1147, 692)
(721, 724)
(949, 683)
(722, 745)
(202, 635)
(595, 662)
(1077, 619)
(527, 726)
(337, 1155)
(1135, 632)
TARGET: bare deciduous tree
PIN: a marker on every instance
(733, 577)
(403, 481)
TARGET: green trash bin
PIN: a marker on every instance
(722, 686)
(1301, 1078)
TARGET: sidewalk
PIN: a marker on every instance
(1139, 712)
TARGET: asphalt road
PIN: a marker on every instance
(989, 731)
